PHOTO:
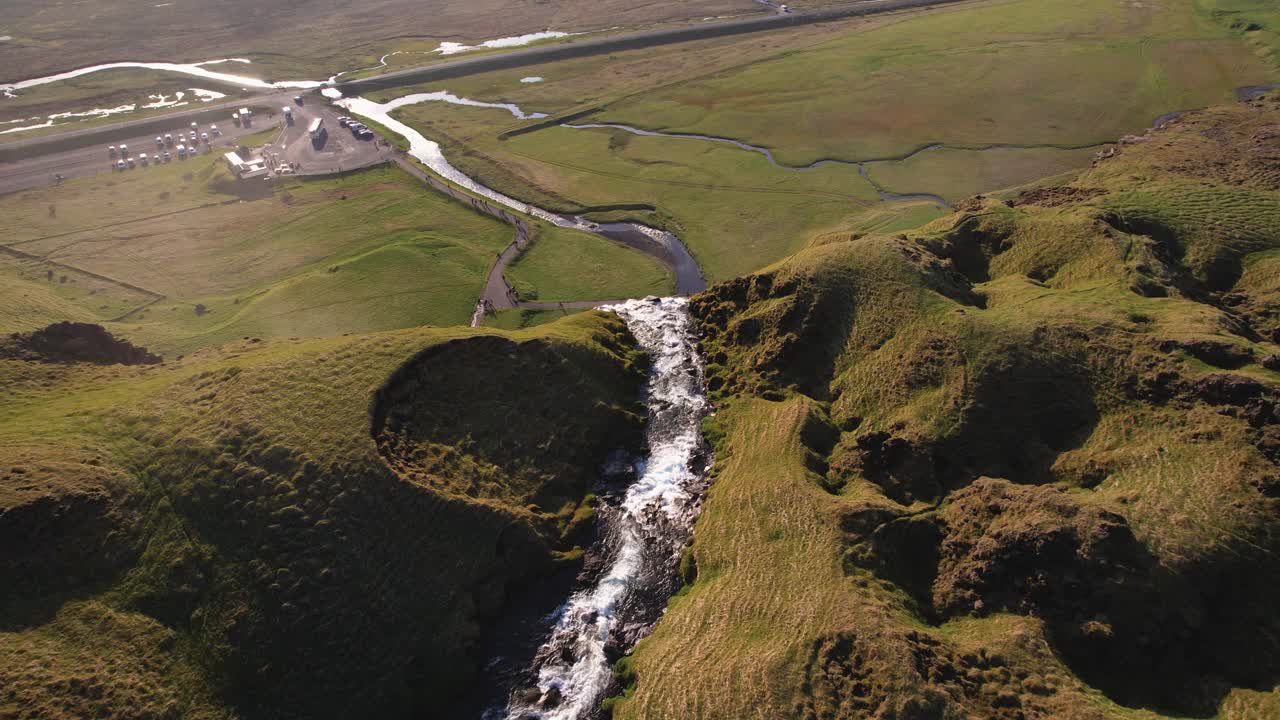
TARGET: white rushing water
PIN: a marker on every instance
(644, 531)
(429, 152)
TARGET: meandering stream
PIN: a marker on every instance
(659, 243)
(644, 526)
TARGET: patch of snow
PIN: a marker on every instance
(453, 48)
(51, 120)
(331, 93)
(45, 124)
(207, 95)
(162, 101)
(531, 79)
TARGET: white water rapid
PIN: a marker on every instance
(644, 528)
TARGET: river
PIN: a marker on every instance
(661, 244)
(644, 526)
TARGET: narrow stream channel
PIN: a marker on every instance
(660, 244)
(644, 526)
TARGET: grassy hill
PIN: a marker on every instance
(1017, 463)
(312, 528)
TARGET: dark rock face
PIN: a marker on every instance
(850, 675)
(67, 342)
(1218, 354)
(1031, 550)
(1145, 633)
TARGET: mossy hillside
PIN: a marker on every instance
(994, 466)
(288, 567)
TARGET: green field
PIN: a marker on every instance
(1025, 72)
(370, 251)
(570, 265)
(958, 174)
(1045, 85)
(298, 41)
(733, 209)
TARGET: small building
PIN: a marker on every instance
(245, 169)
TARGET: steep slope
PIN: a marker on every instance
(1019, 463)
(292, 529)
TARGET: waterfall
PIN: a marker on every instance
(644, 527)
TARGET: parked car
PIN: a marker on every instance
(344, 121)
(214, 131)
(111, 150)
(167, 156)
(168, 139)
(131, 163)
(124, 151)
(297, 99)
(182, 150)
(204, 137)
(142, 158)
(120, 165)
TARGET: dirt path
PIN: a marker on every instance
(498, 293)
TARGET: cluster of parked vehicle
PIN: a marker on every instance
(358, 129)
(183, 144)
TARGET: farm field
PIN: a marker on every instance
(881, 91)
(312, 39)
(570, 265)
(289, 261)
(1024, 72)
(733, 209)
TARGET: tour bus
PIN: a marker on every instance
(317, 132)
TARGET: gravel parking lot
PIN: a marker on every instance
(341, 151)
